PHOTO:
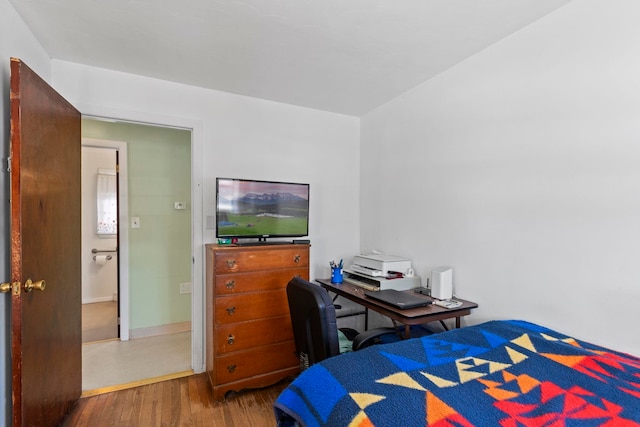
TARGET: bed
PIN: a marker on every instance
(500, 373)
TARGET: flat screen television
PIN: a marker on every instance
(247, 208)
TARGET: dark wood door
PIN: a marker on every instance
(45, 245)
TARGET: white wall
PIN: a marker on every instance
(520, 168)
(15, 40)
(248, 138)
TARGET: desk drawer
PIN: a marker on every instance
(257, 281)
(250, 306)
(241, 336)
(254, 260)
(245, 364)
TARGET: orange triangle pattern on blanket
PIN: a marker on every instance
(577, 404)
(439, 414)
(361, 420)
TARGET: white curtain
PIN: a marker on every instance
(107, 196)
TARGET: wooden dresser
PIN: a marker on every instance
(249, 336)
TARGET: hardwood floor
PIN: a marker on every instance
(181, 402)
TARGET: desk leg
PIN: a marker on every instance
(458, 322)
(366, 318)
(407, 332)
(396, 328)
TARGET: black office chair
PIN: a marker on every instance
(315, 330)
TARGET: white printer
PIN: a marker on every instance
(381, 264)
(381, 271)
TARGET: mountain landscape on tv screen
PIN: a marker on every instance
(279, 213)
(285, 204)
(270, 198)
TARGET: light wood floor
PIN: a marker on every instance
(119, 364)
(180, 402)
(99, 321)
(111, 364)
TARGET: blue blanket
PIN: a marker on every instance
(500, 373)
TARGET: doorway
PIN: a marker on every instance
(100, 318)
(155, 241)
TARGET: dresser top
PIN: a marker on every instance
(266, 246)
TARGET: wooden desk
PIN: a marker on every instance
(412, 316)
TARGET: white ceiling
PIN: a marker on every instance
(345, 56)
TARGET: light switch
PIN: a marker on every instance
(135, 222)
(179, 205)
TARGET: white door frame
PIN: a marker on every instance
(197, 224)
(123, 229)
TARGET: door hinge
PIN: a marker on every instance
(9, 164)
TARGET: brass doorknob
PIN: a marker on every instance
(30, 286)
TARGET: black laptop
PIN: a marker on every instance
(401, 300)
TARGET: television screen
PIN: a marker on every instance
(250, 208)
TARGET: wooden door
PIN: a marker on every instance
(45, 245)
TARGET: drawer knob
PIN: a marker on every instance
(296, 259)
(231, 263)
(231, 368)
(231, 310)
(231, 339)
(230, 284)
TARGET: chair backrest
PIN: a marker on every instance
(314, 321)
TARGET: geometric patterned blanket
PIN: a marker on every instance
(499, 373)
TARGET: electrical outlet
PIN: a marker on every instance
(185, 288)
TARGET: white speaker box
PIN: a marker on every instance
(442, 282)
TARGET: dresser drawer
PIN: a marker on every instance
(256, 260)
(245, 364)
(257, 281)
(250, 306)
(241, 336)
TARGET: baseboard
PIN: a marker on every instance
(152, 331)
(99, 299)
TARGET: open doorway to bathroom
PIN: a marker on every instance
(154, 254)
(100, 316)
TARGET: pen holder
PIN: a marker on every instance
(336, 275)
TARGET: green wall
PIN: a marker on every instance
(159, 174)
